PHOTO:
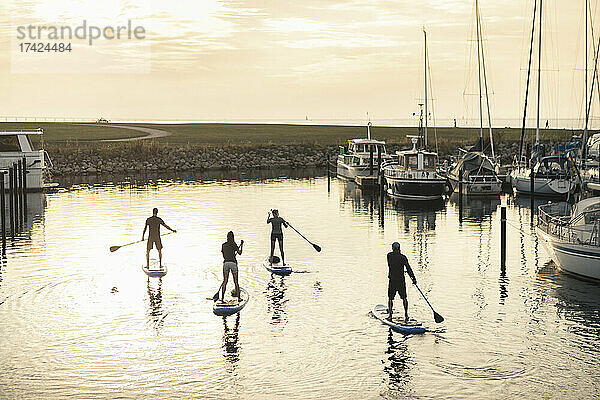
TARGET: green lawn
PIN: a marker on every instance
(260, 134)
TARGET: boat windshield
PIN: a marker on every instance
(410, 161)
(9, 143)
(429, 162)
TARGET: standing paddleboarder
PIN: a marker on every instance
(396, 264)
(153, 224)
(230, 249)
(276, 233)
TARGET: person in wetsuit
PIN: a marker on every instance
(230, 249)
(276, 233)
(153, 224)
(396, 264)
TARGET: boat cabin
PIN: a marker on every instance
(551, 167)
(359, 152)
(16, 146)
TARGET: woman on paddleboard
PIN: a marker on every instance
(230, 249)
(276, 233)
(396, 264)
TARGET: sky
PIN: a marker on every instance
(274, 60)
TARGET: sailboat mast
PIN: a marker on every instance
(425, 86)
(487, 93)
(585, 89)
(479, 71)
(539, 82)
(528, 77)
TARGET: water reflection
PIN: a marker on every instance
(476, 208)
(503, 283)
(276, 299)
(156, 312)
(397, 365)
(231, 348)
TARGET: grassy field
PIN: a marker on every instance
(86, 135)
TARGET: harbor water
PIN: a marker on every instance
(77, 321)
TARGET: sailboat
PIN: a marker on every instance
(552, 175)
(414, 176)
(478, 170)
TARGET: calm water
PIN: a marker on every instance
(77, 321)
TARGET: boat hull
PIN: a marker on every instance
(351, 173)
(416, 189)
(542, 186)
(577, 259)
(489, 188)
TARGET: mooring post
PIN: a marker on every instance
(531, 190)
(20, 193)
(328, 173)
(371, 160)
(503, 239)
(11, 205)
(460, 194)
(25, 172)
(3, 212)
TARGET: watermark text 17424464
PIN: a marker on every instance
(80, 48)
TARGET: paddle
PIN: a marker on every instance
(115, 248)
(317, 247)
(437, 317)
(216, 296)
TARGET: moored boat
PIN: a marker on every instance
(414, 176)
(16, 145)
(572, 236)
(361, 160)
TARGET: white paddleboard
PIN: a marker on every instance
(155, 271)
(409, 327)
(277, 267)
(231, 306)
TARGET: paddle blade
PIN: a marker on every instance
(216, 296)
(437, 317)
(114, 248)
(317, 247)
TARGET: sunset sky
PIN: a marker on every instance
(278, 60)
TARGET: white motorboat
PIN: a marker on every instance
(360, 161)
(15, 146)
(572, 236)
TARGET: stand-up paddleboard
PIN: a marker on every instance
(400, 325)
(231, 306)
(155, 271)
(276, 267)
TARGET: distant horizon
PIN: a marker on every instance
(562, 123)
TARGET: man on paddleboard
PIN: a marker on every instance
(276, 233)
(396, 264)
(153, 224)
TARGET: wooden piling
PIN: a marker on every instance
(25, 172)
(3, 212)
(460, 194)
(11, 205)
(503, 239)
(371, 160)
(20, 192)
(328, 173)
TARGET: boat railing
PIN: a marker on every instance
(555, 220)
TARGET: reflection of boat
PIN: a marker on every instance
(477, 207)
(360, 162)
(15, 146)
(572, 236)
